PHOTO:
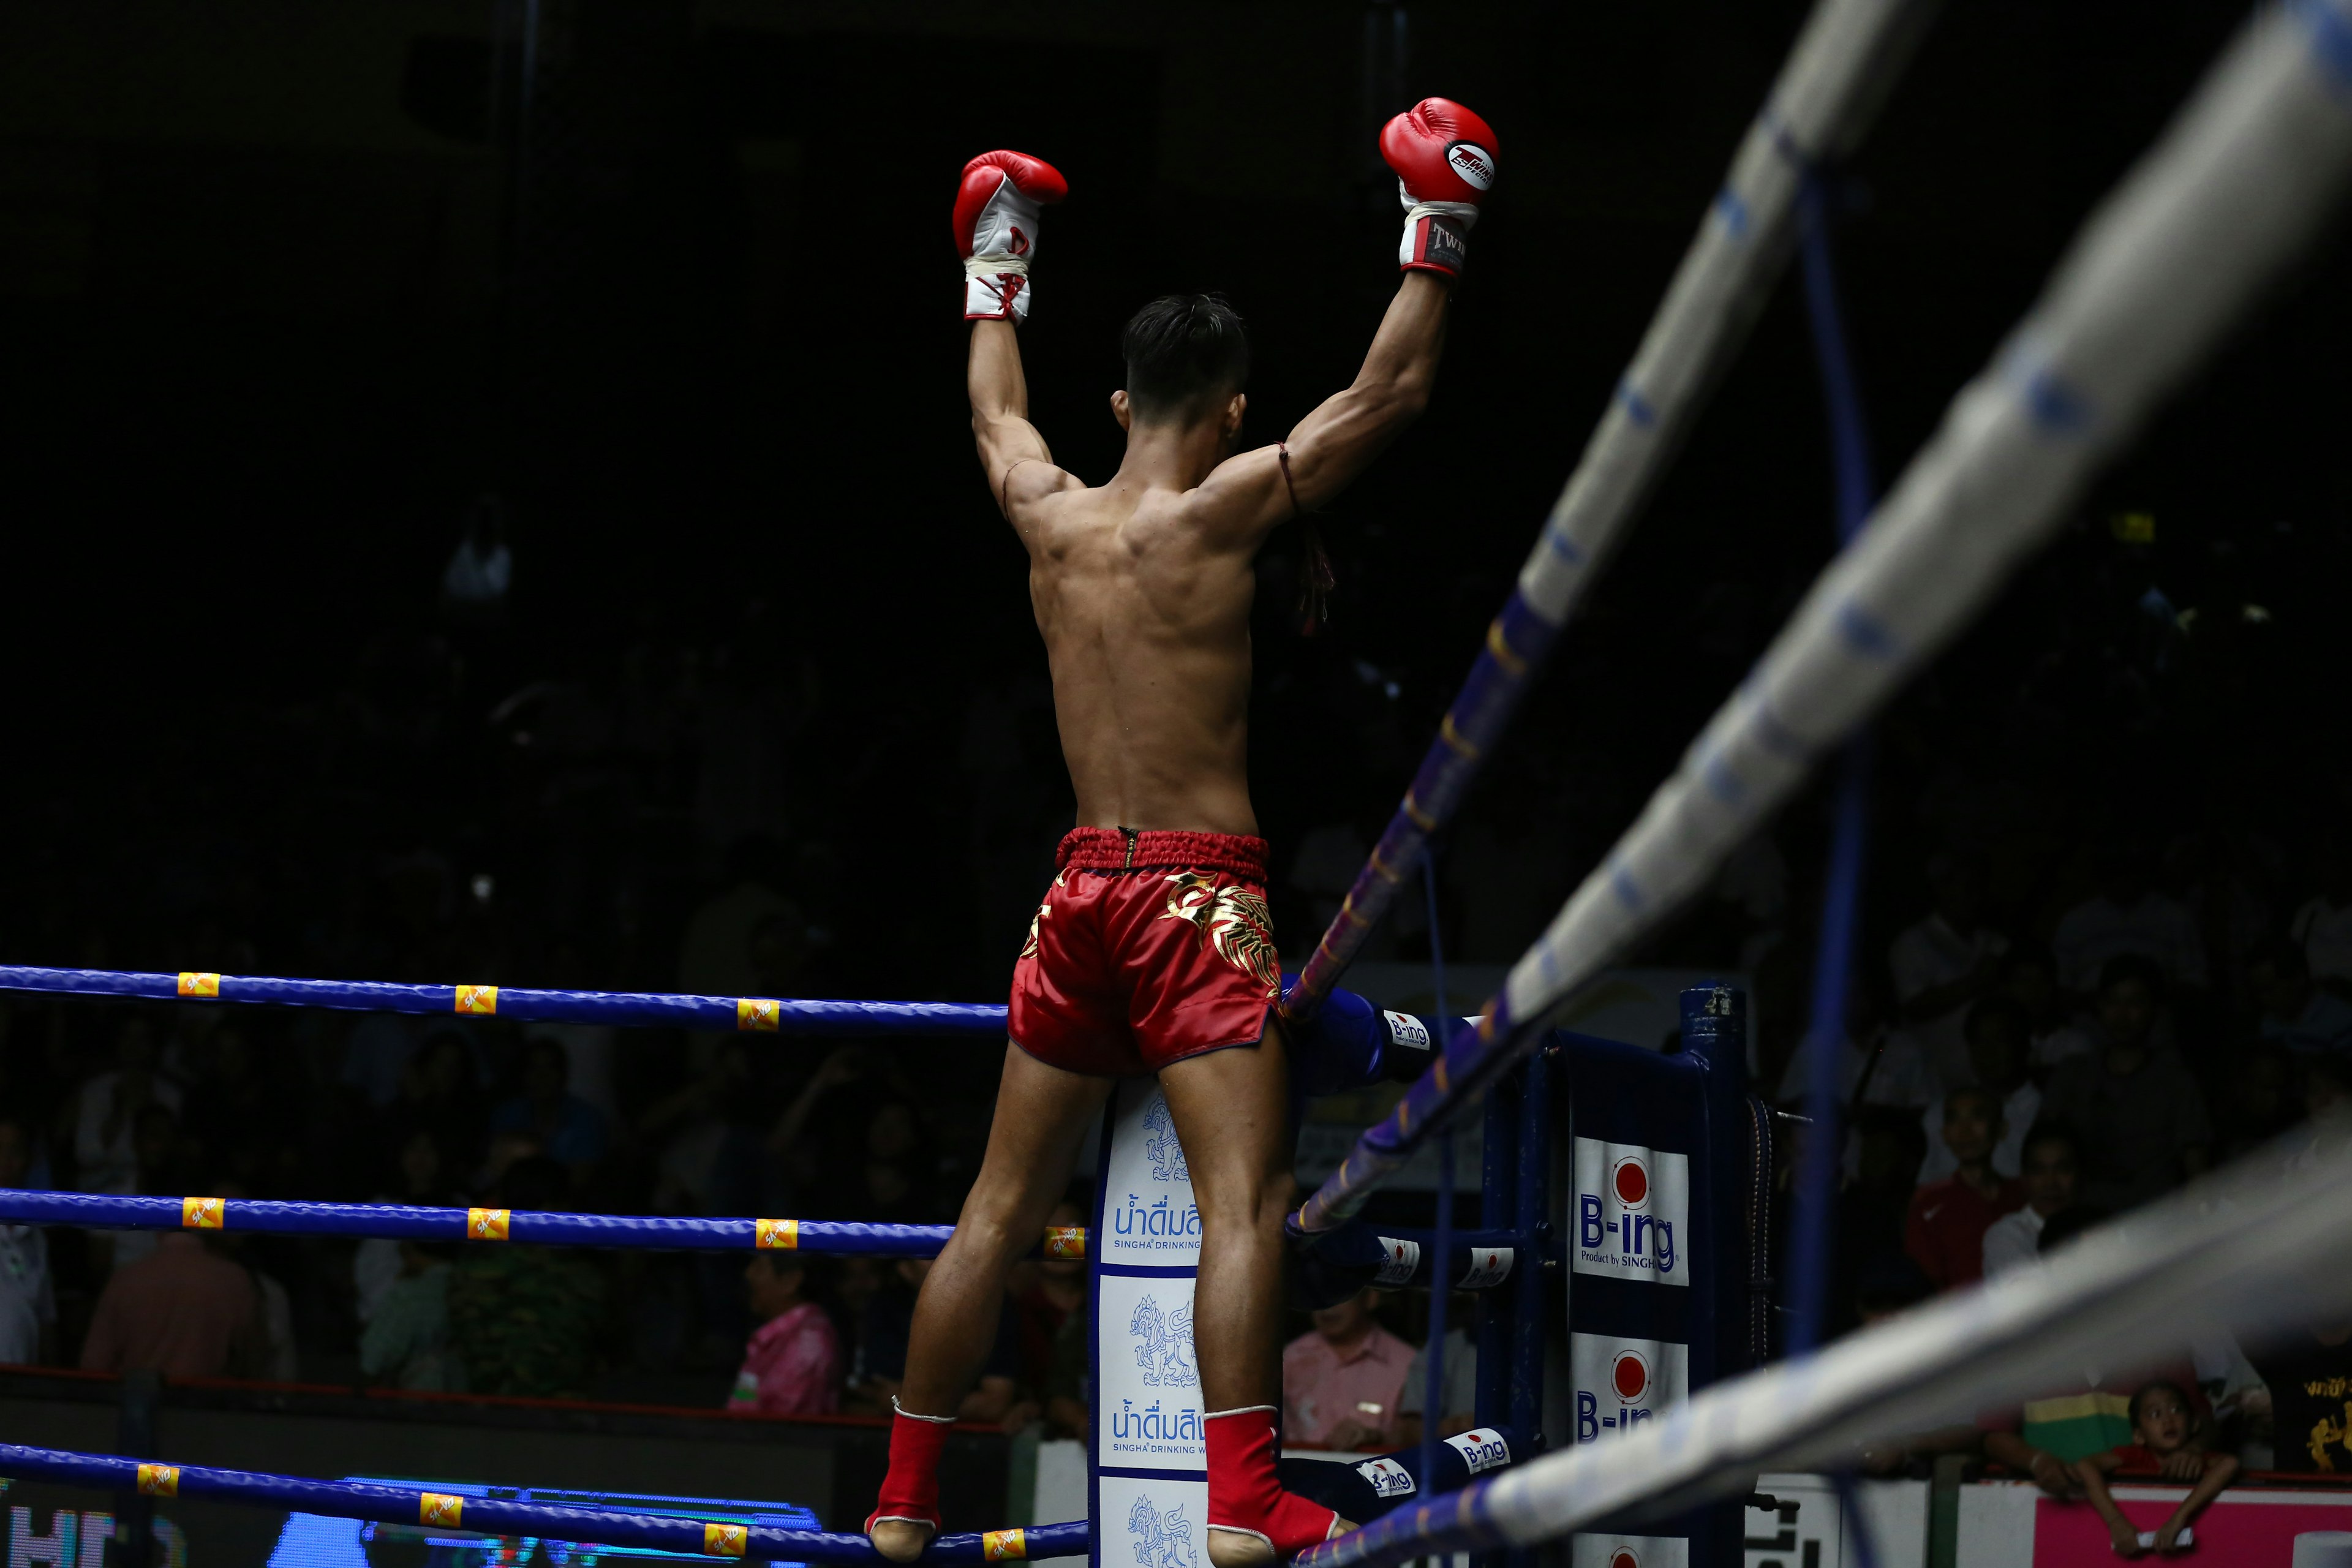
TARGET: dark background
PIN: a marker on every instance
(285, 286)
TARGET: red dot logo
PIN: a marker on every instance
(1624, 1558)
(1631, 1180)
(1631, 1376)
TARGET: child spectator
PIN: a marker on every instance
(2048, 1176)
(792, 1365)
(1340, 1380)
(406, 1341)
(1997, 1044)
(2295, 1013)
(1945, 1230)
(2138, 1116)
(2162, 1426)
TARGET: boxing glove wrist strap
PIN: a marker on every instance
(994, 266)
(1436, 237)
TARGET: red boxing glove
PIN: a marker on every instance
(1444, 159)
(996, 213)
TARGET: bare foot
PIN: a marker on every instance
(1239, 1548)
(901, 1540)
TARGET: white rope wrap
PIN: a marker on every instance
(994, 266)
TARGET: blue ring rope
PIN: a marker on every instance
(496, 1516)
(403, 1222)
(749, 1015)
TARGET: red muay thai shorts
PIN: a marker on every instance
(1149, 948)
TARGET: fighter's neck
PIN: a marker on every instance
(1170, 457)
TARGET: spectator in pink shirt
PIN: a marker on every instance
(792, 1365)
(1340, 1384)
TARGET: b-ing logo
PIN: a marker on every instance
(1628, 1552)
(1163, 1345)
(1161, 1539)
(1399, 1259)
(1473, 163)
(1482, 1449)
(1620, 1384)
(1632, 1206)
(1406, 1030)
(1160, 1144)
(1389, 1478)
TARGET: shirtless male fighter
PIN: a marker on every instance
(1153, 952)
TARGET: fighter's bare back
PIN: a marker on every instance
(1142, 586)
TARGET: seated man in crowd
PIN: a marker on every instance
(2163, 1432)
(2048, 1178)
(1340, 1382)
(1945, 1230)
(2137, 1113)
(2306, 1396)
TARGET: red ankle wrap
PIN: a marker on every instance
(1244, 1493)
(910, 1491)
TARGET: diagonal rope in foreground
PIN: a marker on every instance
(1842, 68)
(2265, 1247)
(2234, 190)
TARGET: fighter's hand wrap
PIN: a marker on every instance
(1444, 156)
(996, 212)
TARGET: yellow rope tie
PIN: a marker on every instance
(441, 1511)
(1003, 1545)
(199, 983)
(1454, 738)
(1420, 818)
(158, 1480)
(488, 1224)
(1495, 645)
(202, 1214)
(758, 1014)
(776, 1234)
(724, 1540)
(476, 1001)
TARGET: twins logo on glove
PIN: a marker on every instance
(1444, 156)
(996, 212)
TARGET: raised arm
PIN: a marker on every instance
(1020, 468)
(1444, 160)
(997, 212)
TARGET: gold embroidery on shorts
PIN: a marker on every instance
(1230, 919)
(1043, 910)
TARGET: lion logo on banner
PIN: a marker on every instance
(1161, 1541)
(1163, 1346)
(1160, 1144)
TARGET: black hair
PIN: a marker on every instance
(1180, 351)
(2043, 1132)
(1973, 1091)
